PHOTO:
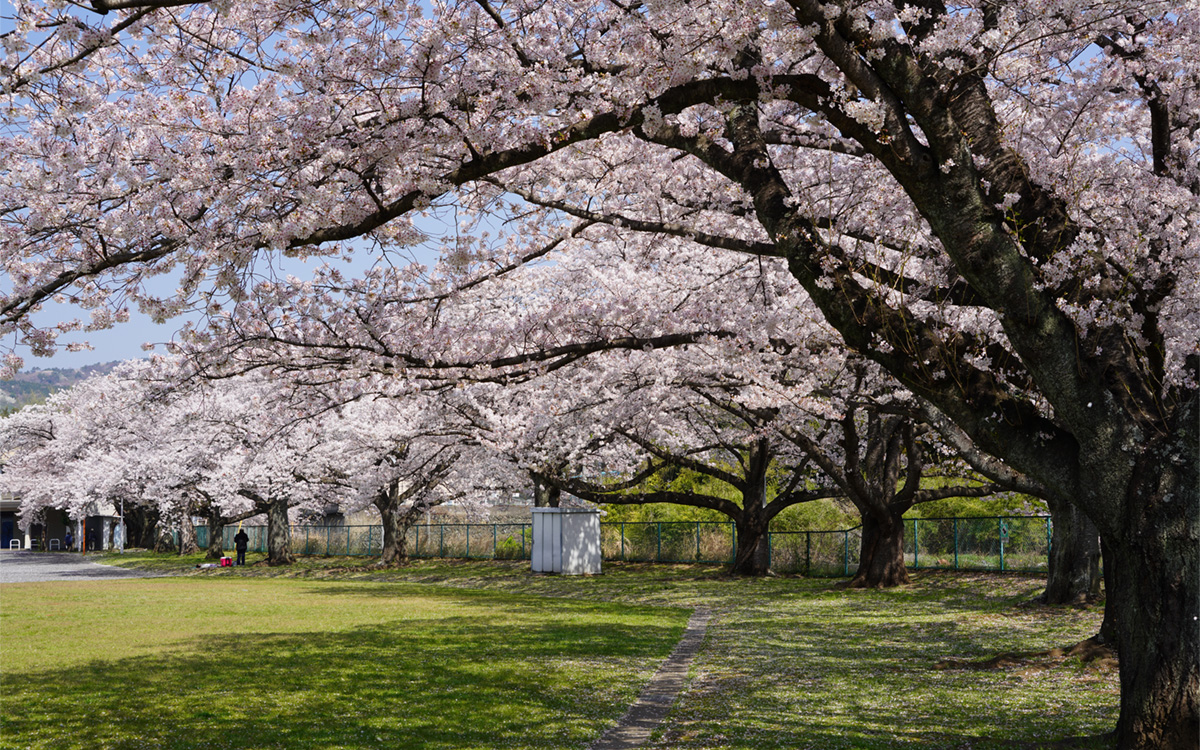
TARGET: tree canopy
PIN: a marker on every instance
(995, 202)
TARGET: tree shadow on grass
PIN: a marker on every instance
(453, 682)
(857, 672)
(537, 602)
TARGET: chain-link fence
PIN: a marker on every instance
(1002, 543)
(821, 554)
(1016, 543)
(472, 541)
(667, 541)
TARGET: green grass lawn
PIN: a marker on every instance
(266, 663)
(334, 653)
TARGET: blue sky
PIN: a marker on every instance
(125, 340)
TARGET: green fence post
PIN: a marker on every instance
(916, 545)
(807, 552)
(956, 542)
(697, 541)
(347, 541)
(494, 537)
(441, 540)
(1001, 524)
(622, 541)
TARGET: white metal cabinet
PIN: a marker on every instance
(566, 540)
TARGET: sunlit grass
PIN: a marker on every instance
(857, 669)
(787, 662)
(185, 663)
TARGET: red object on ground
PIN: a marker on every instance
(226, 562)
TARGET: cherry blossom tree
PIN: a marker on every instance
(1073, 573)
(996, 203)
(775, 429)
(883, 453)
(139, 438)
(405, 455)
(714, 437)
(69, 453)
(534, 313)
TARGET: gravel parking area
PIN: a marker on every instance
(23, 566)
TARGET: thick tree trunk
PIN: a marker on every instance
(753, 554)
(753, 557)
(1074, 571)
(1108, 634)
(141, 524)
(216, 545)
(279, 533)
(395, 532)
(1156, 551)
(397, 520)
(544, 495)
(164, 539)
(188, 544)
(881, 559)
(1157, 648)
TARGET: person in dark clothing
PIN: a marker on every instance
(69, 540)
(240, 541)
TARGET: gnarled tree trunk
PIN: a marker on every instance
(752, 525)
(164, 538)
(1154, 594)
(216, 545)
(400, 508)
(871, 480)
(396, 524)
(279, 533)
(881, 558)
(1073, 576)
(188, 544)
(545, 495)
(141, 523)
(753, 554)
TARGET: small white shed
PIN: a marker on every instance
(566, 540)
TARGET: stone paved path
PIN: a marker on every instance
(656, 700)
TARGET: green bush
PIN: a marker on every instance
(515, 547)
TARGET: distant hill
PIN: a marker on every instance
(35, 384)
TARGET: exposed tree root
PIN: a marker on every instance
(1092, 653)
(862, 582)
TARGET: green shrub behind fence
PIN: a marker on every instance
(1016, 543)
(826, 554)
